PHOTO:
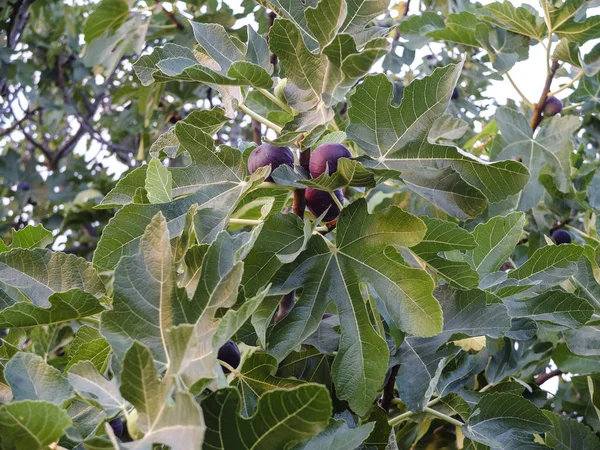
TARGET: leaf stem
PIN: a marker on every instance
(396, 420)
(89, 320)
(570, 107)
(260, 118)
(336, 200)
(568, 85)
(443, 416)
(271, 185)
(227, 366)
(527, 102)
(255, 222)
(275, 100)
(252, 222)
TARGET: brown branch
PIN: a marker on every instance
(543, 377)
(45, 150)
(404, 14)
(17, 124)
(171, 16)
(69, 146)
(288, 301)
(537, 111)
(272, 16)
(256, 131)
(388, 389)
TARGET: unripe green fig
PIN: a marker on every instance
(279, 90)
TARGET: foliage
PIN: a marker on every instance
(418, 297)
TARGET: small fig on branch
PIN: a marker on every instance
(552, 106)
(230, 354)
(561, 237)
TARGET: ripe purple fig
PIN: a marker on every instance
(455, 94)
(561, 236)
(552, 106)
(266, 154)
(229, 353)
(318, 202)
(327, 155)
(117, 426)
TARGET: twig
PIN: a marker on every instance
(272, 16)
(388, 389)
(45, 150)
(404, 14)
(171, 16)
(543, 377)
(256, 131)
(537, 111)
(527, 102)
(568, 85)
(19, 122)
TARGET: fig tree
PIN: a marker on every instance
(561, 236)
(266, 154)
(327, 155)
(318, 202)
(552, 106)
(230, 354)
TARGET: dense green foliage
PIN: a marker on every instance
(328, 236)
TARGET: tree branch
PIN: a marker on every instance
(388, 389)
(543, 377)
(171, 16)
(537, 111)
(18, 123)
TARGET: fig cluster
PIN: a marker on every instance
(229, 353)
(323, 159)
(561, 236)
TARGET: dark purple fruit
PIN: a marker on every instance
(326, 316)
(552, 106)
(318, 202)
(23, 186)
(266, 154)
(230, 354)
(561, 237)
(117, 426)
(327, 155)
(455, 94)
